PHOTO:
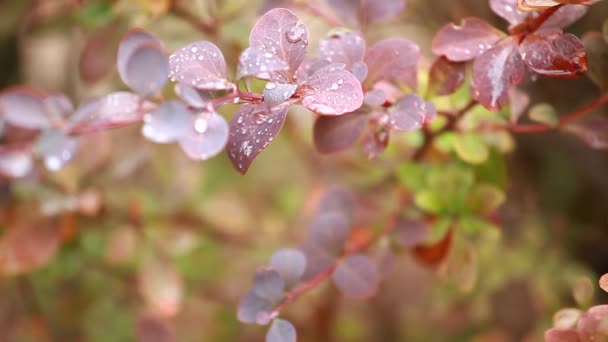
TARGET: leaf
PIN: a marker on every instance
(281, 331)
(593, 131)
(15, 163)
(410, 232)
(565, 16)
(463, 266)
(345, 47)
(269, 285)
(375, 97)
(446, 77)
(330, 231)
(494, 72)
(519, 102)
(262, 65)
(471, 148)
(435, 254)
(252, 128)
(308, 67)
(206, 136)
(357, 276)
(582, 291)
(291, 264)
(554, 54)
(98, 56)
(133, 40)
(161, 285)
(597, 55)
(58, 107)
(543, 113)
(336, 133)
(375, 141)
(146, 70)
(318, 259)
(339, 199)
(561, 335)
(331, 91)
(589, 322)
(409, 113)
(27, 247)
(485, 199)
(56, 148)
(277, 93)
(200, 65)
(24, 107)
(110, 111)
(152, 328)
(393, 60)
(366, 12)
(507, 9)
(192, 96)
(566, 318)
(463, 43)
(252, 306)
(167, 123)
(604, 282)
(277, 32)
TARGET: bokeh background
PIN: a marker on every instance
(139, 242)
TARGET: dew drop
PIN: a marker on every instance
(200, 125)
(271, 85)
(295, 34)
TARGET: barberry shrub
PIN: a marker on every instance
(438, 129)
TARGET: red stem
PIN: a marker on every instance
(531, 25)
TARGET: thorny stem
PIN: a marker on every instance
(563, 121)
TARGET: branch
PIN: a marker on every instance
(563, 121)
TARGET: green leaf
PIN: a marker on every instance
(471, 148)
(428, 201)
(438, 231)
(543, 113)
(485, 199)
(474, 225)
(412, 176)
(582, 291)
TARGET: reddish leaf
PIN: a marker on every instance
(200, 65)
(495, 72)
(277, 32)
(98, 56)
(435, 254)
(375, 97)
(15, 163)
(346, 47)
(565, 16)
(409, 113)
(331, 91)
(252, 128)
(56, 148)
(151, 328)
(336, 133)
(206, 136)
(252, 307)
(589, 322)
(507, 9)
(375, 141)
(161, 286)
(519, 102)
(26, 247)
(339, 199)
(24, 107)
(357, 276)
(561, 335)
(262, 65)
(393, 60)
(536, 5)
(308, 67)
(167, 123)
(594, 132)
(318, 259)
(109, 111)
(355, 11)
(604, 282)
(277, 93)
(192, 96)
(58, 107)
(467, 41)
(446, 77)
(554, 54)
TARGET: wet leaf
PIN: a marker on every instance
(262, 65)
(291, 264)
(110, 111)
(336, 133)
(331, 91)
(375, 141)
(357, 276)
(465, 42)
(445, 77)
(24, 107)
(589, 322)
(277, 93)
(345, 47)
(554, 54)
(252, 129)
(55, 148)
(410, 113)
(200, 65)
(167, 123)
(507, 9)
(281, 331)
(393, 60)
(206, 136)
(561, 335)
(146, 70)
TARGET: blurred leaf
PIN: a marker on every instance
(155, 329)
(161, 285)
(291, 264)
(604, 282)
(428, 201)
(566, 318)
(543, 113)
(410, 232)
(438, 232)
(485, 199)
(155, 7)
(95, 13)
(597, 54)
(27, 247)
(357, 276)
(594, 132)
(281, 331)
(463, 266)
(471, 148)
(582, 291)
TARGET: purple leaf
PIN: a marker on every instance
(145, 71)
(446, 77)
(131, 41)
(309, 67)
(354, 11)
(252, 128)
(277, 32)
(317, 259)
(507, 9)
(409, 233)
(348, 10)
(565, 16)
(554, 54)
(494, 72)
(359, 70)
(269, 285)
(167, 123)
(15, 163)
(393, 60)
(200, 65)
(24, 107)
(336, 133)
(262, 65)
(467, 41)
(375, 141)
(192, 96)
(251, 306)
(375, 97)
(291, 264)
(110, 111)
(58, 107)
(338, 199)
(56, 148)
(409, 113)
(346, 47)
(277, 93)
(331, 91)
(594, 132)
(357, 276)
(330, 231)
(206, 136)
(281, 331)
